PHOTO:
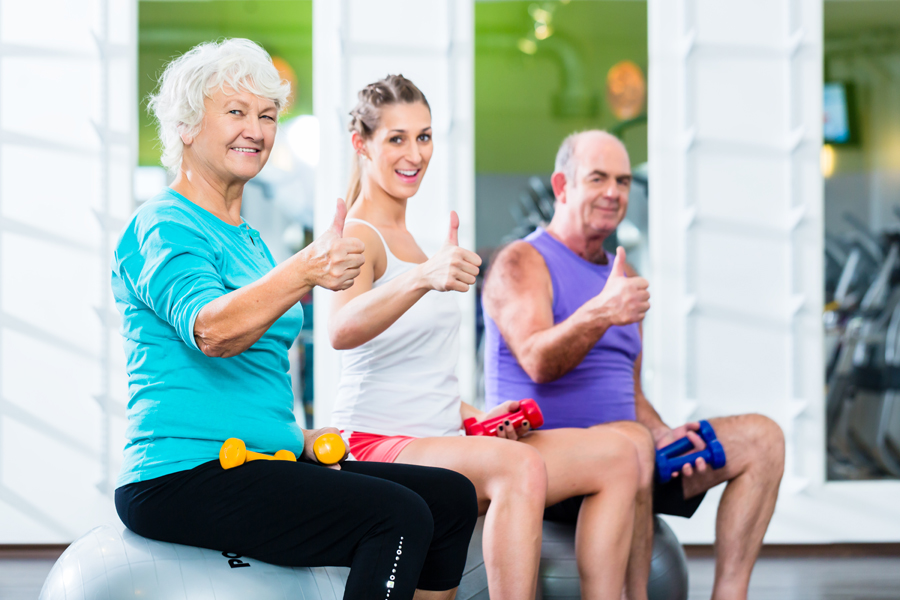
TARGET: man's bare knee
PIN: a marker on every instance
(645, 450)
(759, 442)
(767, 440)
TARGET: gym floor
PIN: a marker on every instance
(813, 578)
(775, 577)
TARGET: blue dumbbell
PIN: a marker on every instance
(668, 459)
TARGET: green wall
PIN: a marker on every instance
(517, 128)
(168, 29)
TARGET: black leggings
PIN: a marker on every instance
(398, 527)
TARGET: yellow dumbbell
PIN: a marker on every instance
(329, 448)
(234, 453)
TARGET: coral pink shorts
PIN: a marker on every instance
(372, 447)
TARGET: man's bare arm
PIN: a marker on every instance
(645, 413)
(662, 434)
(518, 296)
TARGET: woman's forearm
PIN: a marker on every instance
(368, 315)
(232, 323)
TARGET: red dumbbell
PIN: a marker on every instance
(528, 411)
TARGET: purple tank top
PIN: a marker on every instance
(601, 388)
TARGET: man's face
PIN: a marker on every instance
(598, 193)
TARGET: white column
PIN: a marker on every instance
(735, 128)
(357, 42)
(68, 141)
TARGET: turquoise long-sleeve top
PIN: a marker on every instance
(172, 259)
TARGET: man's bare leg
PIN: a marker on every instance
(754, 448)
(600, 464)
(642, 539)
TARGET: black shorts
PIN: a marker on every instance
(668, 499)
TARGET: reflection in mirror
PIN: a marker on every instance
(861, 166)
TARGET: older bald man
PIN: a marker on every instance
(563, 321)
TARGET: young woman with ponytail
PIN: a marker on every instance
(398, 399)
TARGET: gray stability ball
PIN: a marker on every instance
(112, 563)
(668, 567)
(558, 578)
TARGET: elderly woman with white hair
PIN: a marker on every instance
(207, 322)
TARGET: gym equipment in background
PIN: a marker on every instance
(669, 460)
(234, 453)
(528, 411)
(862, 331)
(114, 563)
(867, 426)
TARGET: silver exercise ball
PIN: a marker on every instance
(668, 567)
(113, 563)
(558, 576)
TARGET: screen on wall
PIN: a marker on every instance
(836, 128)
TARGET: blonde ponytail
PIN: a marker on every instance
(355, 186)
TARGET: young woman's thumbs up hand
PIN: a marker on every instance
(452, 268)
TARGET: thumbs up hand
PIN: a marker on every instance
(453, 235)
(624, 300)
(332, 260)
(452, 268)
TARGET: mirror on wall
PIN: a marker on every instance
(861, 165)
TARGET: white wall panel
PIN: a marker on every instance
(732, 271)
(755, 24)
(53, 24)
(399, 25)
(730, 92)
(356, 42)
(46, 207)
(68, 141)
(735, 114)
(740, 187)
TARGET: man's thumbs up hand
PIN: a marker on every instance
(618, 266)
(623, 300)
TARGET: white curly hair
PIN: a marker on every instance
(206, 68)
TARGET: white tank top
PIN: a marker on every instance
(403, 382)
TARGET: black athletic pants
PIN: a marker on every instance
(398, 527)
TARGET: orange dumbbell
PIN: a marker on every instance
(234, 453)
(329, 448)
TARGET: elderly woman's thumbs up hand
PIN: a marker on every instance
(332, 260)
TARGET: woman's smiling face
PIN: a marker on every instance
(400, 149)
(236, 135)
